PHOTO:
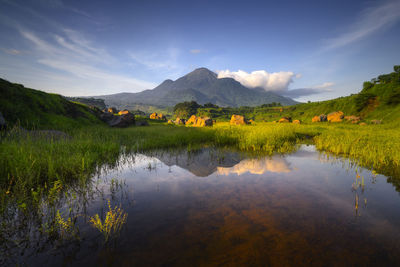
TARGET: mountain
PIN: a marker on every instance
(200, 85)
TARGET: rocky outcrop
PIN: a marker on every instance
(123, 112)
(296, 122)
(319, 118)
(112, 110)
(3, 124)
(336, 116)
(155, 116)
(123, 120)
(352, 119)
(238, 120)
(199, 121)
(285, 120)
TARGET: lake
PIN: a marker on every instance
(221, 207)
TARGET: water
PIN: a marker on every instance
(220, 207)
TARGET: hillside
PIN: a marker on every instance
(379, 99)
(202, 86)
(36, 109)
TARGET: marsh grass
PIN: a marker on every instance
(112, 224)
(31, 164)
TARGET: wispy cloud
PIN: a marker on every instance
(370, 21)
(317, 89)
(195, 51)
(12, 51)
(74, 54)
(167, 59)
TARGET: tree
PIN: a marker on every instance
(396, 68)
(186, 109)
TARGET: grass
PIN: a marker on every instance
(112, 224)
(28, 163)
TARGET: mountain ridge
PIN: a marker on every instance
(200, 85)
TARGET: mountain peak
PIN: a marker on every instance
(202, 73)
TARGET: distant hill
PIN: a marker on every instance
(202, 86)
(36, 109)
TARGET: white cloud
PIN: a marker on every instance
(195, 51)
(275, 81)
(371, 20)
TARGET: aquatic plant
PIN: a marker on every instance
(113, 223)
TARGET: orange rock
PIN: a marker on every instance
(199, 121)
(319, 118)
(336, 116)
(125, 111)
(238, 120)
(297, 122)
(153, 116)
(285, 120)
(352, 119)
(112, 110)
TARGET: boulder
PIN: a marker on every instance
(199, 121)
(238, 120)
(155, 116)
(180, 121)
(376, 121)
(362, 123)
(191, 120)
(112, 110)
(297, 122)
(285, 120)
(142, 123)
(251, 122)
(3, 124)
(123, 120)
(352, 119)
(122, 112)
(336, 116)
(319, 118)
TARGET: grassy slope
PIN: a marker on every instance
(386, 88)
(35, 109)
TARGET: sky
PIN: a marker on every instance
(307, 50)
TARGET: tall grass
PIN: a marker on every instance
(29, 163)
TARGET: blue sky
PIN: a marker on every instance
(310, 50)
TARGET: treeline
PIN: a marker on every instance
(187, 109)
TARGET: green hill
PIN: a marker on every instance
(39, 110)
(379, 99)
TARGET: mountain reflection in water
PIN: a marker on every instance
(222, 207)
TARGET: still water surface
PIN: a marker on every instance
(219, 207)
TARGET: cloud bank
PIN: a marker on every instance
(276, 81)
